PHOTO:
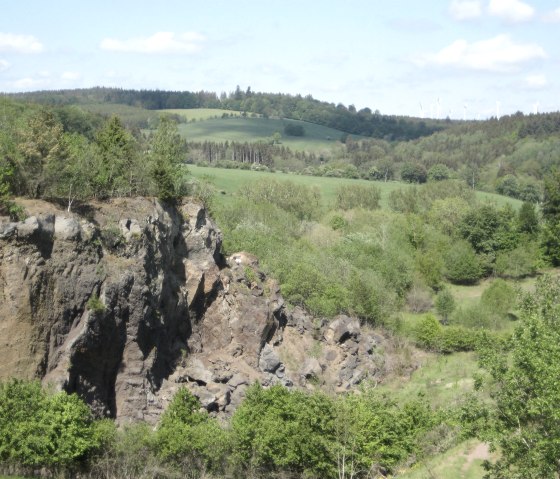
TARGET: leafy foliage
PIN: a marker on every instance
(276, 429)
(299, 200)
(357, 196)
(43, 430)
(188, 438)
(462, 265)
(524, 424)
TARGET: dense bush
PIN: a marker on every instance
(318, 437)
(275, 429)
(462, 265)
(292, 129)
(300, 200)
(439, 172)
(190, 439)
(431, 335)
(499, 298)
(357, 196)
(414, 173)
(41, 429)
(518, 263)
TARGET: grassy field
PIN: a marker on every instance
(460, 462)
(442, 379)
(200, 114)
(229, 181)
(316, 139)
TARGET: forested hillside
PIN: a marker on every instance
(362, 122)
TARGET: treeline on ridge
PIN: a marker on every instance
(348, 119)
(45, 155)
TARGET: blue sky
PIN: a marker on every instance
(457, 58)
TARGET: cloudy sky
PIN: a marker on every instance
(439, 58)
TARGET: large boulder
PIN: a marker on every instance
(341, 329)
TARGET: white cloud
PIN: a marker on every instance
(70, 76)
(4, 65)
(552, 17)
(160, 42)
(511, 10)
(498, 54)
(29, 83)
(536, 81)
(19, 43)
(465, 9)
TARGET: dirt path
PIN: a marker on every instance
(481, 451)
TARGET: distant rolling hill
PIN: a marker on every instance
(218, 125)
(241, 129)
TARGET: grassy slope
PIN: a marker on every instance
(316, 137)
(229, 181)
(200, 114)
(440, 378)
(460, 462)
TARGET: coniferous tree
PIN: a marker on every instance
(166, 160)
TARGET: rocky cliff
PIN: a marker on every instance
(124, 302)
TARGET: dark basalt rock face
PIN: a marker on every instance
(127, 301)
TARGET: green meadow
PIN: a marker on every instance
(316, 138)
(200, 114)
(228, 181)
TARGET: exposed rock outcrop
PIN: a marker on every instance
(127, 301)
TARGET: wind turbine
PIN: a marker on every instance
(498, 110)
(536, 108)
(438, 109)
(421, 111)
(464, 112)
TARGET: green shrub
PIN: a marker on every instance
(445, 304)
(300, 200)
(40, 429)
(279, 430)
(111, 236)
(414, 173)
(474, 317)
(202, 190)
(190, 439)
(431, 335)
(292, 129)
(439, 172)
(357, 196)
(95, 305)
(453, 339)
(518, 263)
(428, 332)
(499, 297)
(337, 222)
(461, 264)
